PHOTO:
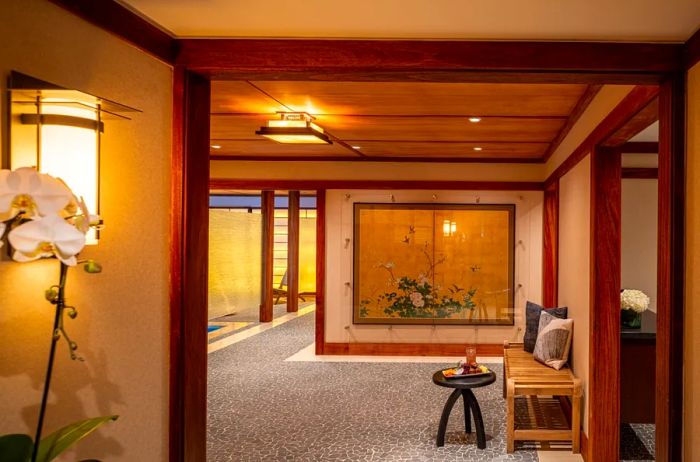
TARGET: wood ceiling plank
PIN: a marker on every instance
(267, 148)
(426, 98)
(458, 150)
(352, 129)
(238, 96)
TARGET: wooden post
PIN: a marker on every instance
(320, 336)
(293, 252)
(550, 246)
(605, 281)
(268, 243)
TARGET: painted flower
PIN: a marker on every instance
(26, 191)
(47, 237)
(389, 265)
(417, 299)
(423, 279)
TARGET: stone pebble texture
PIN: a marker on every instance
(262, 408)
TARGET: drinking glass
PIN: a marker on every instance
(471, 355)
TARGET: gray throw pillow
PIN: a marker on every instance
(553, 340)
(532, 322)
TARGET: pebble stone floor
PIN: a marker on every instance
(263, 408)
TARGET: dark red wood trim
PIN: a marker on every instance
(280, 56)
(320, 335)
(692, 50)
(639, 147)
(293, 252)
(671, 272)
(550, 246)
(635, 101)
(579, 109)
(641, 120)
(448, 160)
(125, 24)
(606, 267)
(410, 349)
(640, 173)
(189, 268)
(268, 255)
(240, 183)
(584, 446)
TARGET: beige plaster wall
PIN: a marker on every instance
(640, 207)
(574, 264)
(122, 328)
(339, 258)
(691, 403)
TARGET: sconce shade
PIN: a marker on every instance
(57, 131)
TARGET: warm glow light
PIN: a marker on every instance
(477, 148)
(216, 146)
(474, 119)
(356, 147)
(70, 153)
(294, 128)
(449, 228)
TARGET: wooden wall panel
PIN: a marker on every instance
(189, 268)
(293, 252)
(320, 337)
(606, 272)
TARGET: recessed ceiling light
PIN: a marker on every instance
(215, 146)
(477, 148)
(356, 147)
(474, 119)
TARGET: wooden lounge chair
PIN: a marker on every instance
(281, 291)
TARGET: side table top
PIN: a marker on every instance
(465, 382)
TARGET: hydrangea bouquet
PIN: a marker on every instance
(40, 217)
(633, 303)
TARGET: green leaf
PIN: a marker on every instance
(16, 448)
(60, 440)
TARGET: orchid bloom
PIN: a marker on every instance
(27, 191)
(85, 220)
(46, 237)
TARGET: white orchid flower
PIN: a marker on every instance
(84, 221)
(27, 191)
(2, 232)
(47, 237)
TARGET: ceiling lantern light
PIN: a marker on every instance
(294, 128)
(475, 119)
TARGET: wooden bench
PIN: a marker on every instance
(540, 386)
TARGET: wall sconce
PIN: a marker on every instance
(57, 131)
(449, 228)
(295, 128)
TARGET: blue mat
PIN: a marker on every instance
(213, 328)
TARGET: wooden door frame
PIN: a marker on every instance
(337, 60)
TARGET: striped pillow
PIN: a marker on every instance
(553, 340)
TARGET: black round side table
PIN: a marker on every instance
(463, 387)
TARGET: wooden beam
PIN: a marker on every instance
(576, 113)
(640, 173)
(293, 252)
(189, 268)
(320, 335)
(268, 244)
(441, 160)
(691, 50)
(639, 147)
(125, 24)
(641, 120)
(251, 183)
(671, 272)
(411, 349)
(606, 270)
(550, 246)
(407, 59)
(635, 101)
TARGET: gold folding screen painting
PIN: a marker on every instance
(433, 264)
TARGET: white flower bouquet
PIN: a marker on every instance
(635, 300)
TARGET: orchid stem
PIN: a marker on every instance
(60, 304)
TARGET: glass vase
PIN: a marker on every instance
(631, 319)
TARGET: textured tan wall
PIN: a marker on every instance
(691, 403)
(574, 263)
(122, 328)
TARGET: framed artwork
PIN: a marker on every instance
(433, 264)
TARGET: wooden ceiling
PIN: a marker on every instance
(399, 120)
